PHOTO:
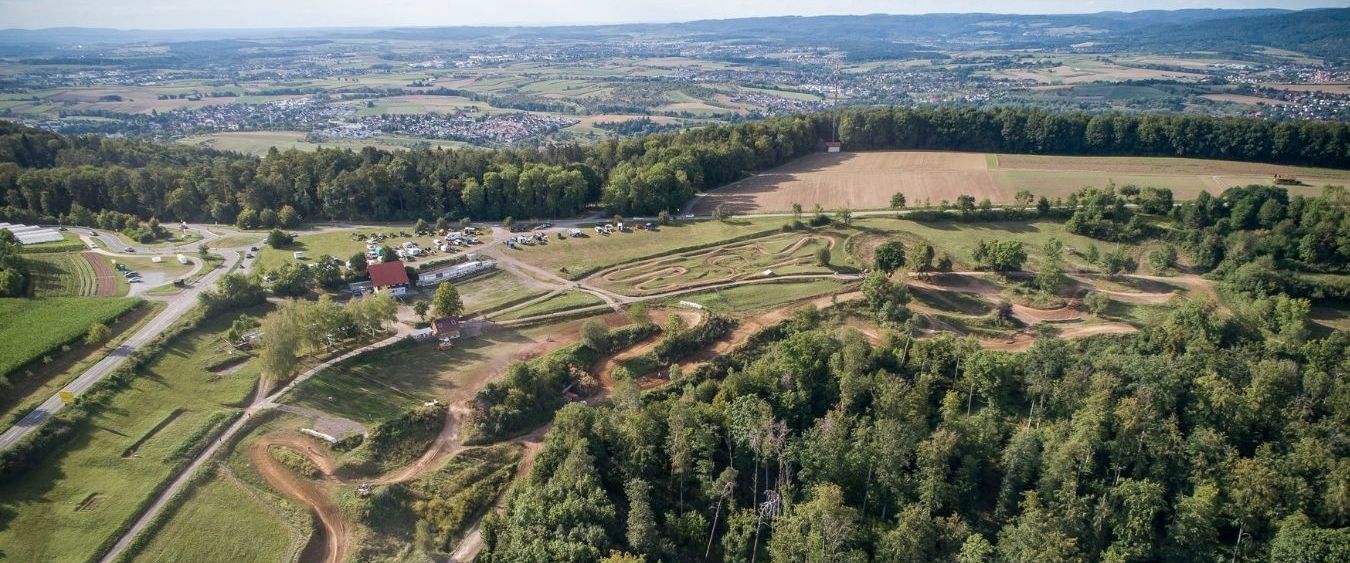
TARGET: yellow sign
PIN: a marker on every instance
(67, 397)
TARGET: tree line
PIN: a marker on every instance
(1193, 440)
(45, 176)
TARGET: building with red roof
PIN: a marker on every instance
(389, 276)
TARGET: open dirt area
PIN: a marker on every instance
(860, 180)
(866, 180)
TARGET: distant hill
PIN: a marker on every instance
(1322, 32)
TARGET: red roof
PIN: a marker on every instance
(445, 325)
(387, 274)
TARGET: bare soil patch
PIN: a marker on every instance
(860, 180)
(105, 277)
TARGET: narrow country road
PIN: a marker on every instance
(178, 305)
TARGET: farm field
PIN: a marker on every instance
(62, 275)
(64, 508)
(866, 180)
(577, 257)
(259, 142)
(32, 328)
(38, 383)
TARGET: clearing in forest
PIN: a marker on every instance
(867, 180)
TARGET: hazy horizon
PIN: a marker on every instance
(268, 14)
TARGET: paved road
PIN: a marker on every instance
(178, 305)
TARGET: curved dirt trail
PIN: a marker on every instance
(336, 536)
(604, 369)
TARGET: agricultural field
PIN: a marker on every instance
(260, 142)
(33, 328)
(62, 275)
(63, 509)
(866, 180)
(39, 382)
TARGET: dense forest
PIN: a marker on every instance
(1194, 440)
(46, 177)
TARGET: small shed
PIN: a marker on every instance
(446, 327)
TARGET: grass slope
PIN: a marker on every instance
(65, 507)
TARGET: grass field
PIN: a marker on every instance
(63, 508)
(783, 254)
(33, 328)
(757, 297)
(261, 532)
(491, 291)
(564, 301)
(866, 180)
(576, 257)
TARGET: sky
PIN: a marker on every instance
(200, 14)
